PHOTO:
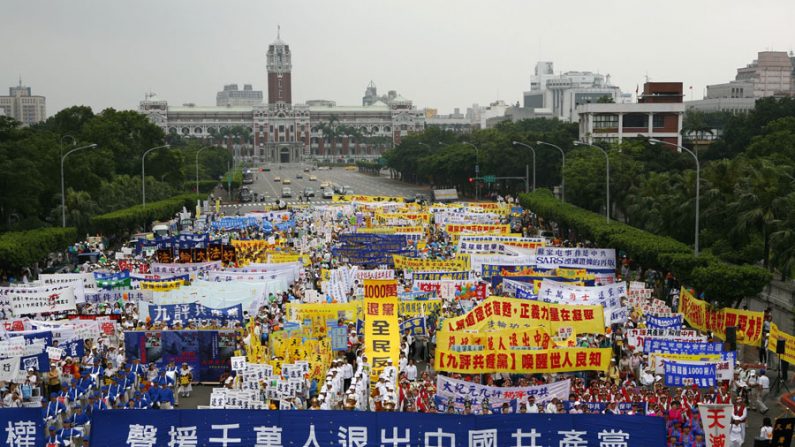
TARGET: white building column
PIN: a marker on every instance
(651, 124)
(620, 127)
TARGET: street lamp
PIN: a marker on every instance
(143, 172)
(477, 169)
(607, 178)
(698, 181)
(562, 169)
(63, 189)
(516, 143)
(197, 167)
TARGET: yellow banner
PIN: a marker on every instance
(509, 339)
(320, 313)
(497, 313)
(380, 288)
(416, 308)
(457, 264)
(789, 343)
(162, 286)
(360, 198)
(524, 362)
(700, 315)
(295, 347)
(381, 333)
(385, 218)
(259, 244)
(458, 229)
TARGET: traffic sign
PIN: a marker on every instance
(489, 178)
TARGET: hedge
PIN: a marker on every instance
(129, 219)
(20, 249)
(721, 281)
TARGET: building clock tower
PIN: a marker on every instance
(279, 64)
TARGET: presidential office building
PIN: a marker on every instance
(283, 132)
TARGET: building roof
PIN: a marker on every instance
(631, 107)
(376, 107)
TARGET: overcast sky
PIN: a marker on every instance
(438, 53)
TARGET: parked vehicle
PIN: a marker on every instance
(287, 192)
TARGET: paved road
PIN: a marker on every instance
(360, 183)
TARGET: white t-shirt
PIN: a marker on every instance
(411, 372)
(766, 433)
(764, 382)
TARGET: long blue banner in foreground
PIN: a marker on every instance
(226, 428)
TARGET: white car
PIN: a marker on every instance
(327, 193)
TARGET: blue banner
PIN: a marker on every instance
(415, 325)
(119, 276)
(684, 374)
(600, 407)
(682, 347)
(489, 270)
(22, 427)
(372, 250)
(206, 352)
(171, 313)
(356, 429)
(657, 322)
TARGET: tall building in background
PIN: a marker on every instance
(22, 106)
(280, 66)
(771, 74)
(559, 95)
(231, 96)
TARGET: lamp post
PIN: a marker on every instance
(197, 167)
(143, 172)
(63, 188)
(477, 169)
(516, 143)
(562, 168)
(607, 177)
(698, 183)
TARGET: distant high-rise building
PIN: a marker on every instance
(22, 106)
(772, 73)
(231, 96)
(559, 95)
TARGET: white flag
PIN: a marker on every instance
(716, 420)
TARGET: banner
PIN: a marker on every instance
(22, 427)
(87, 279)
(436, 276)
(490, 270)
(782, 432)
(459, 229)
(609, 297)
(364, 429)
(459, 263)
(525, 362)
(496, 313)
(365, 199)
(184, 313)
(716, 422)
(416, 326)
(162, 285)
(658, 322)
(381, 332)
(372, 250)
(685, 375)
(192, 269)
(678, 347)
(513, 339)
(9, 369)
(448, 289)
(413, 308)
(36, 300)
(339, 338)
(591, 259)
(361, 275)
(637, 337)
(207, 352)
(703, 317)
(380, 288)
(460, 391)
(789, 343)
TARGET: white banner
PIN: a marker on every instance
(606, 296)
(716, 423)
(361, 275)
(36, 300)
(89, 283)
(477, 260)
(450, 289)
(54, 353)
(548, 258)
(193, 269)
(9, 369)
(636, 337)
(12, 347)
(460, 390)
